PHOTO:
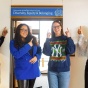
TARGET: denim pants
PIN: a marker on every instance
(59, 80)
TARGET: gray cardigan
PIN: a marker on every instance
(82, 45)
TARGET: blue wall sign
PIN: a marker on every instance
(36, 11)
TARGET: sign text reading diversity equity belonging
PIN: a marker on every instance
(36, 11)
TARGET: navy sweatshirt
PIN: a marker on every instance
(59, 50)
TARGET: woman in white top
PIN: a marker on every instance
(83, 50)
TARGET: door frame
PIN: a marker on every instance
(14, 20)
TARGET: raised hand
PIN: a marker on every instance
(4, 32)
(80, 31)
(48, 34)
(67, 33)
(30, 43)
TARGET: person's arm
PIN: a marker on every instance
(4, 32)
(81, 40)
(82, 44)
(37, 56)
(39, 52)
(47, 47)
(1, 40)
(70, 46)
(19, 53)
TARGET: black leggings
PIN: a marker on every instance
(26, 83)
(86, 75)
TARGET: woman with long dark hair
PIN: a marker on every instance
(26, 52)
(59, 47)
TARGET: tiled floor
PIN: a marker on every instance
(42, 81)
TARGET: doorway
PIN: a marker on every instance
(39, 30)
(39, 18)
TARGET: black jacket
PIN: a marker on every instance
(1, 40)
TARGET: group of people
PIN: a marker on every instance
(58, 46)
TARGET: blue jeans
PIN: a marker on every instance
(59, 80)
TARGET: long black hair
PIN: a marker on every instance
(52, 32)
(18, 43)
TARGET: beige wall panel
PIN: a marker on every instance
(37, 2)
(4, 49)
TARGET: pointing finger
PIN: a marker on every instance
(31, 39)
(67, 30)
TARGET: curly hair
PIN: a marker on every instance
(18, 43)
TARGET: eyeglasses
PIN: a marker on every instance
(24, 30)
(54, 27)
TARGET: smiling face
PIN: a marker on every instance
(57, 29)
(24, 31)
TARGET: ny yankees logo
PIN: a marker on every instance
(56, 50)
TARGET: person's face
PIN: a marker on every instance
(56, 28)
(24, 31)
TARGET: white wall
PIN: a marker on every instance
(75, 13)
(36, 2)
(4, 49)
